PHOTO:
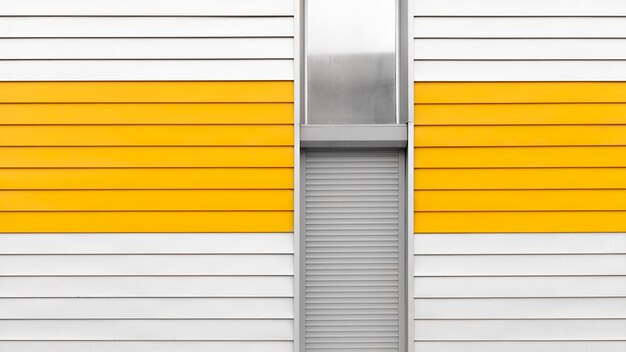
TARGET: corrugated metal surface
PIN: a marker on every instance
(352, 251)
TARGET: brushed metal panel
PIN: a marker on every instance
(351, 61)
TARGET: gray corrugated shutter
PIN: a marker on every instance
(352, 250)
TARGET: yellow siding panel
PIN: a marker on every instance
(217, 135)
(146, 222)
(520, 200)
(147, 92)
(519, 92)
(518, 114)
(497, 222)
(564, 178)
(187, 178)
(129, 157)
(120, 114)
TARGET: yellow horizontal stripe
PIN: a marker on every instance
(146, 178)
(84, 114)
(146, 92)
(519, 114)
(520, 200)
(218, 135)
(444, 136)
(146, 157)
(520, 222)
(520, 157)
(565, 178)
(146, 222)
(520, 92)
(134, 200)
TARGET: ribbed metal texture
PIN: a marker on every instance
(352, 251)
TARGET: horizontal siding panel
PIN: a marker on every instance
(146, 308)
(146, 70)
(145, 27)
(144, 286)
(163, 330)
(497, 222)
(147, 7)
(146, 114)
(116, 157)
(170, 135)
(519, 27)
(520, 200)
(145, 265)
(518, 308)
(142, 346)
(148, 200)
(150, 178)
(518, 114)
(146, 92)
(506, 265)
(515, 49)
(517, 8)
(146, 222)
(519, 243)
(178, 48)
(563, 178)
(480, 287)
(508, 157)
(520, 346)
(488, 136)
(520, 330)
(128, 243)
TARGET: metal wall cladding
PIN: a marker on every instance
(352, 250)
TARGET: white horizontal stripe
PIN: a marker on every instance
(512, 49)
(582, 286)
(451, 265)
(513, 308)
(520, 330)
(140, 27)
(147, 308)
(217, 48)
(525, 346)
(120, 243)
(165, 286)
(143, 346)
(46, 265)
(520, 71)
(517, 243)
(521, 27)
(146, 7)
(146, 70)
(519, 8)
(147, 330)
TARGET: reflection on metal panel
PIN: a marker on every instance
(351, 61)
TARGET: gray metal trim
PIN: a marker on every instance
(354, 136)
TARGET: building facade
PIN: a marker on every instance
(320, 175)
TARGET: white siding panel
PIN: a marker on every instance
(524, 346)
(519, 8)
(565, 286)
(121, 243)
(520, 243)
(518, 49)
(519, 27)
(145, 27)
(146, 308)
(157, 286)
(179, 48)
(450, 71)
(120, 330)
(146, 70)
(147, 7)
(143, 346)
